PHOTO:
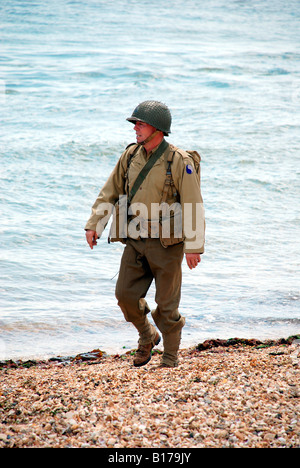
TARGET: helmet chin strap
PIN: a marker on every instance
(150, 137)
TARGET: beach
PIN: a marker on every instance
(70, 75)
(224, 393)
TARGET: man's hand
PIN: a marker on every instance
(91, 238)
(192, 259)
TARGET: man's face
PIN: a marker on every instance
(143, 131)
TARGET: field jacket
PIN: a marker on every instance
(142, 219)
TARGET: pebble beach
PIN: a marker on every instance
(224, 393)
(71, 73)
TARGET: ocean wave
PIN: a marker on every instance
(71, 74)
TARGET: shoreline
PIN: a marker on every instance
(224, 393)
(97, 354)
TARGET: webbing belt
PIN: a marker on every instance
(148, 166)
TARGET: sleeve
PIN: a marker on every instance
(108, 196)
(193, 215)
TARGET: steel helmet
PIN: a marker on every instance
(153, 113)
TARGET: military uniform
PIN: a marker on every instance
(148, 255)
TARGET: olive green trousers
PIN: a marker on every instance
(142, 262)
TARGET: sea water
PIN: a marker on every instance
(70, 74)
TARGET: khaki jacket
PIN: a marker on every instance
(186, 194)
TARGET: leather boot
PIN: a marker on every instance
(144, 352)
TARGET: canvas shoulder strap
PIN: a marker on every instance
(168, 181)
(196, 158)
(146, 169)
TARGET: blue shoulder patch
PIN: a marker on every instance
(189, 168)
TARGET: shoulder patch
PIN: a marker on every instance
(189, 168)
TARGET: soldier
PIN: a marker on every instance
(151, 175)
